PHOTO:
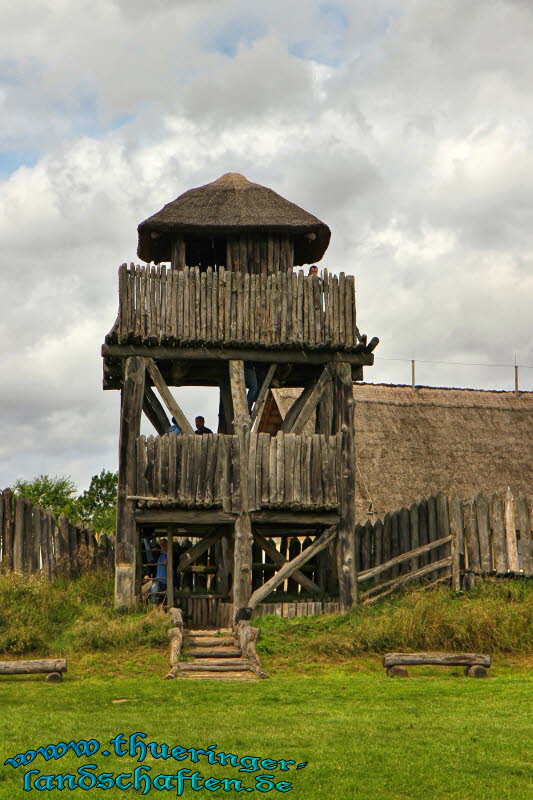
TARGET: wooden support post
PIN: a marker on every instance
(167, 396)
(346, 539)
(170, 567)
(242, 570)
(198, 549)
(126, 537)
(177, 256)
(155, 411)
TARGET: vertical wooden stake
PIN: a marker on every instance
(346, 530)
(126, 537)
(170, 567)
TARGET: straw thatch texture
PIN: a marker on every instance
(232, 205)
(412, 444)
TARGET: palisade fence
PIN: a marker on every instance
(32, 541)
(189, 307)
(288, 470)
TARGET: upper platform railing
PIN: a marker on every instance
(189, 308)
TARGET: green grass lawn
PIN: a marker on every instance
(434, 735)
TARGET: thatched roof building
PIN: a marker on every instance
(231, 208)
(411, 444)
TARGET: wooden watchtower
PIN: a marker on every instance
(230, 297)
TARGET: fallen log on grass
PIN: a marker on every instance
(53, 666)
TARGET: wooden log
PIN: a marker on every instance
(436, 659)
(395, 543)
(498, 534)
(373, 572)
(8, 530)
(397, 672)
(414, 536)
(457, 543)
(432, 525)
(287, 569)
(526, 541)
(54, 677)
(510, 532)
(304, 406)
(471, 537)
(404, 534)
(423, 528)
(259, 405)
(155, 411)
(238, 393)
(483, 530)
(126, 535)
(476, 671)
(168, 398)
(33, 667)
(387, 588)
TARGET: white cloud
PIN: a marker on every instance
(408, 129)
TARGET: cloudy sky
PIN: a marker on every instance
(406, 125)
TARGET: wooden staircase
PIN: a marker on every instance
(214, 657)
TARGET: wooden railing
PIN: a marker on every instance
(224, 308)
(288, 470)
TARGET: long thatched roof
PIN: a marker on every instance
(232, 205)
(412, 444)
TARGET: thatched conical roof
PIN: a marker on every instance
(229, 206)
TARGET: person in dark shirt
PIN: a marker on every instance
(200, 426)
(313, 270)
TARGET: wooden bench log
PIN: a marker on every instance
(436, 659)
(31, 667)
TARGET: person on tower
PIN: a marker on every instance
(200, 426)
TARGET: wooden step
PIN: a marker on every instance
(192, 666)
(220, 661)
(216, 676)
(213, 652)
(209, 641)
(212, 632)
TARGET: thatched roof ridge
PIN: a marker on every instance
(231, 205)
(411, 444)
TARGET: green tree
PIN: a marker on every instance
(97, 506)
(53, 492)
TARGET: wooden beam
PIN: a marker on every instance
(437, 659)
(126, 536)
(373, 572)
(167, 396)
(197, 550)
(297, 518)
(305, 404)
(388, 587)
(290, 566)
(257, 410)
(272, 552)
(238, 393)
(183, 516)
(170, 566)
(299, 356)
(346, 488)
(155, 411)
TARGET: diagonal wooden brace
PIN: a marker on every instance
(273, 553)
(167, 396)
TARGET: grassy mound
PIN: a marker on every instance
(495, 617)
(63, 617)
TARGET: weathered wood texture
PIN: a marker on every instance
(160, 307)
(437, 659)
(203, 471)
(45, 545)
(33, 667)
